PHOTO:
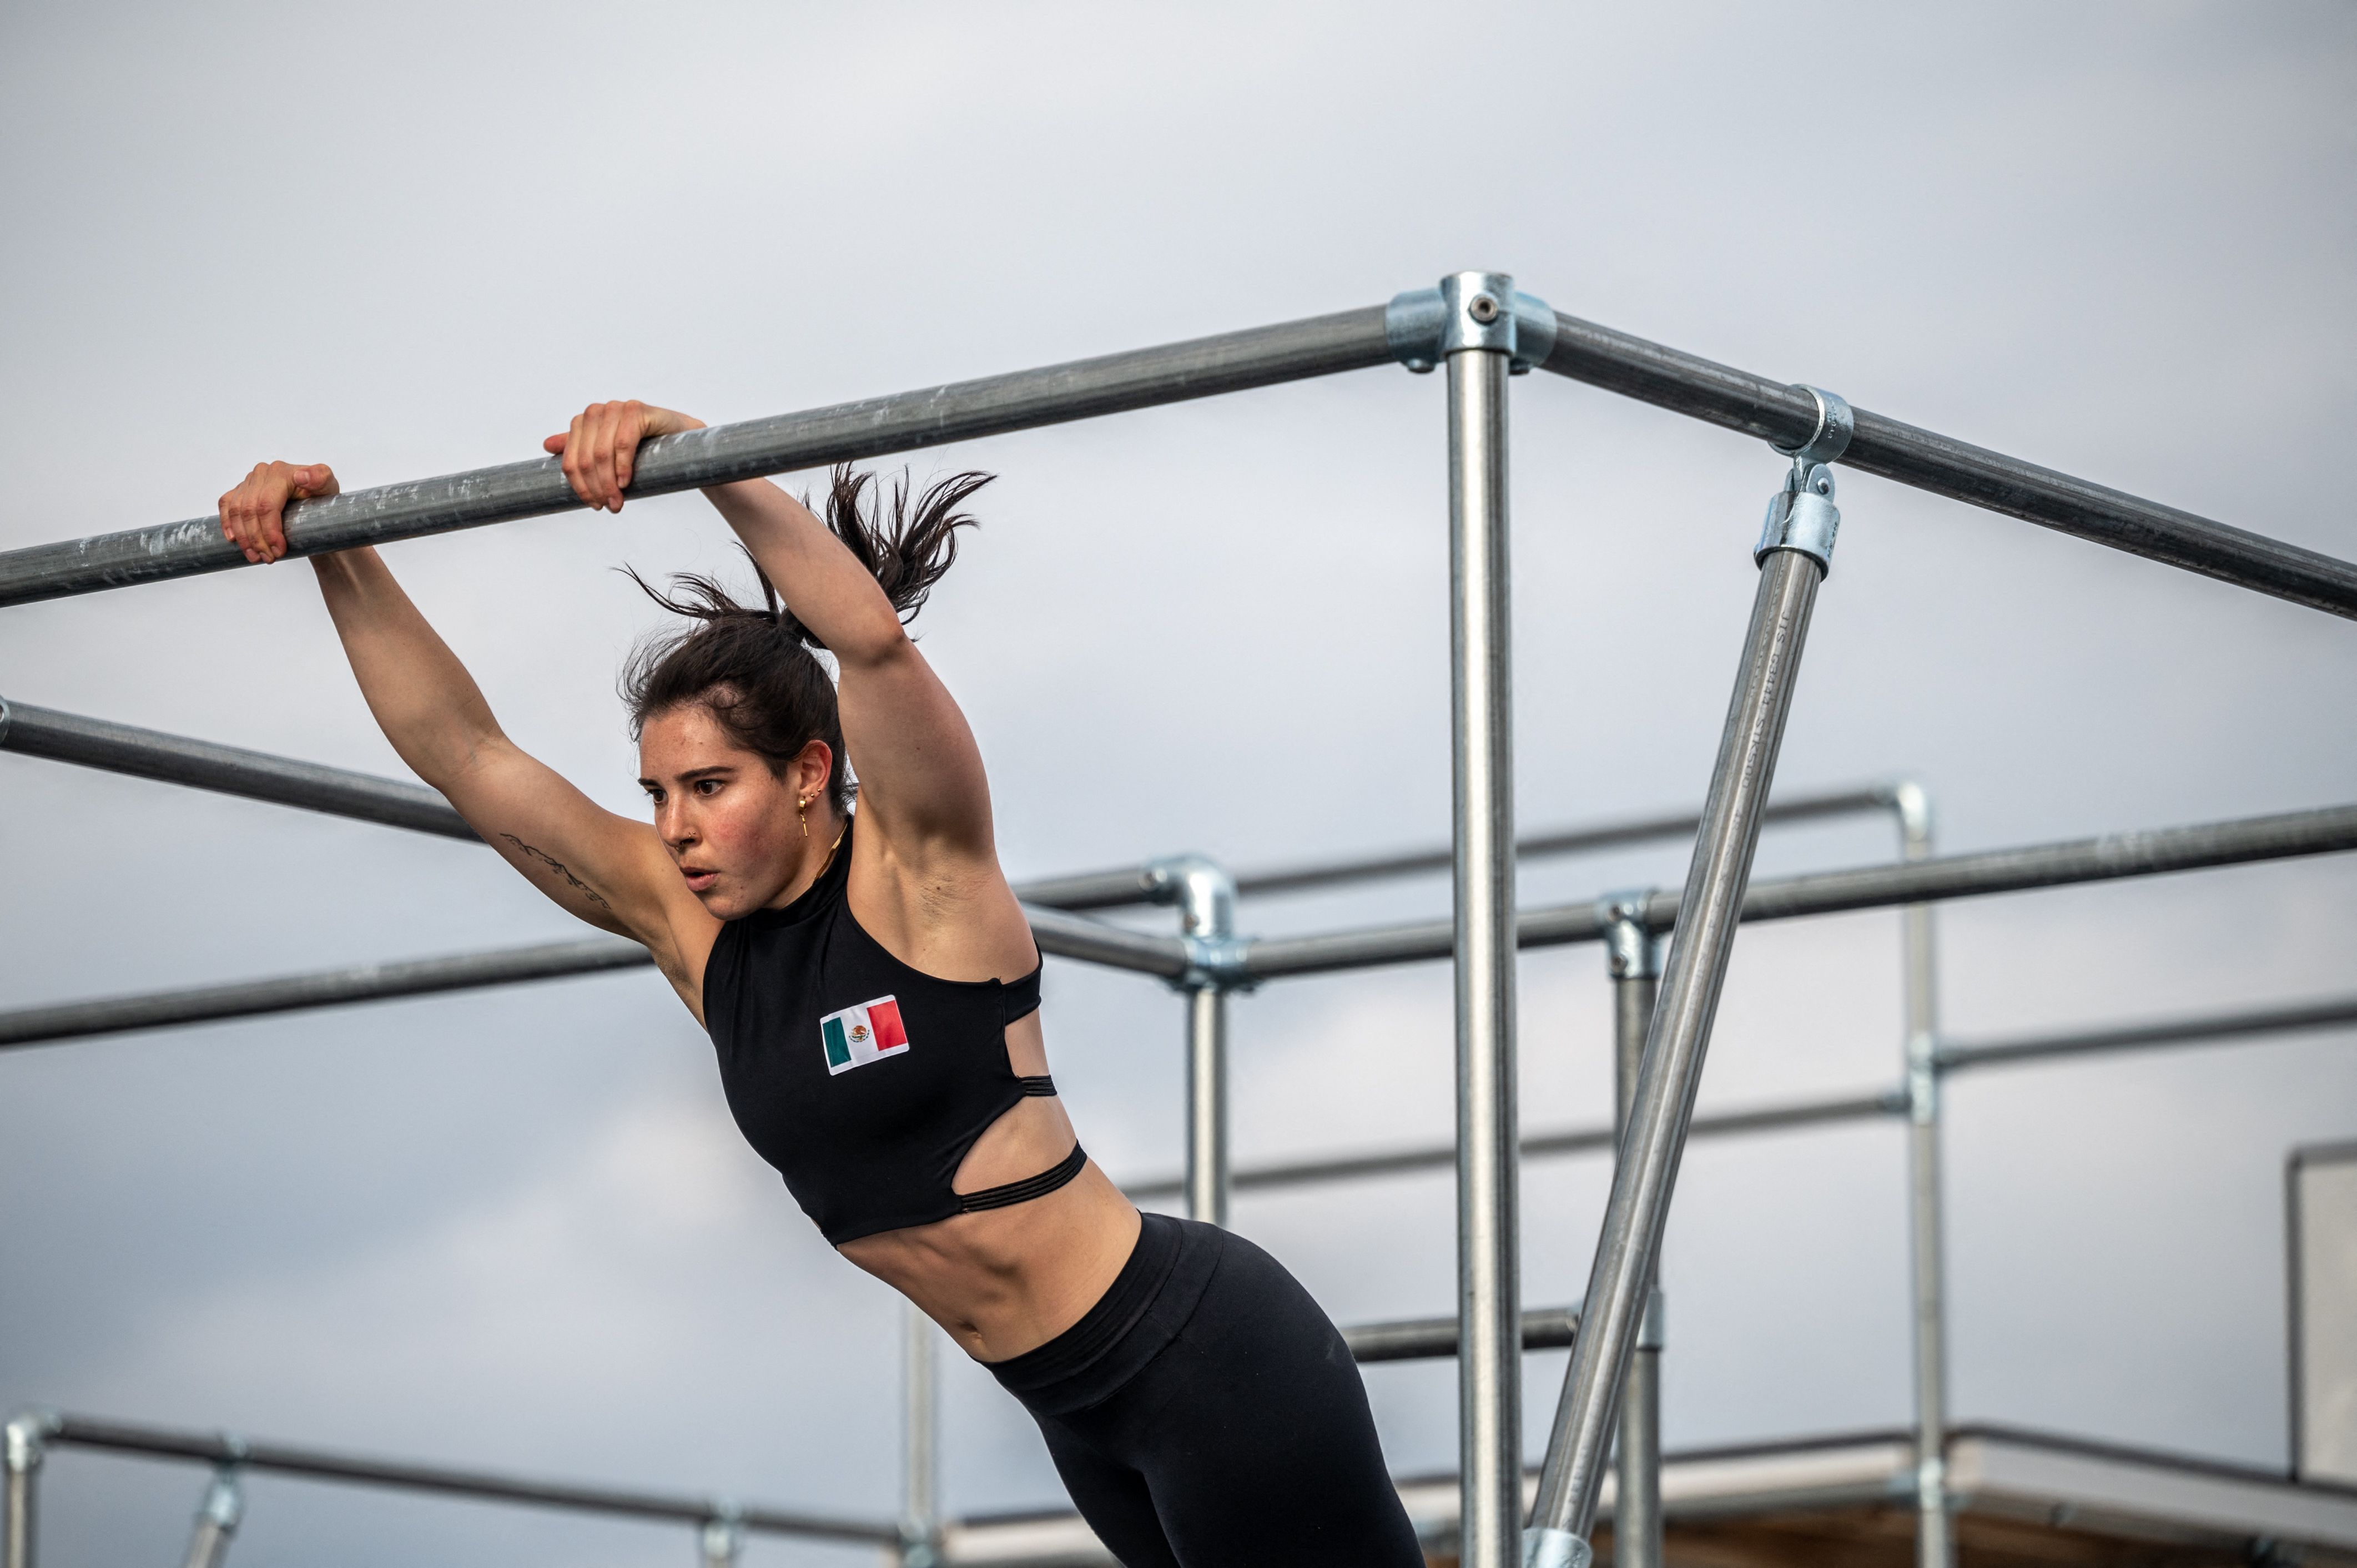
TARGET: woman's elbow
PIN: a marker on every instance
(874, 645)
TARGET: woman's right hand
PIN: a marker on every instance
(253, 515)
(602, 448)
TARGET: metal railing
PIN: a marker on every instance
(1482, 330)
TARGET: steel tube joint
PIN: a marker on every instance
(1801, 515)
(1629, 950)
(1923, 1078)
(1205, 897)
(1470, 310)
(721, 1542)
(27, 1440)
(224, 1504)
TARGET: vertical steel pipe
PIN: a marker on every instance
(1621, 1277)
(921, 1426)
(1632, 959)
(1935, 1545)
(1206, 1104)
(21, 1450)
(1206, 897)
(217, 1518)
(1489, 1300)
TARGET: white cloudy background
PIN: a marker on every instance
(517, 1229)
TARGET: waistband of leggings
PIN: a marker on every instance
(1139, 1313)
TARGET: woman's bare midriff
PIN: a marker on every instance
(1004, 1281)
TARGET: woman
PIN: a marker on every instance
(872, 992)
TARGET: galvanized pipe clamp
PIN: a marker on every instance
(1470, 310)
(1802, 517)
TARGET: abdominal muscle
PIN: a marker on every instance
(1004, 1281)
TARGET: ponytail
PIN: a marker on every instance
(754, 669)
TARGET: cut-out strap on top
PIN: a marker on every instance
(1058, 1175)
(1020, 998)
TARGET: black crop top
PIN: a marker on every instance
(863, 1081)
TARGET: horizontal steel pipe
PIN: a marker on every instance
(1568, 841)
(1576, 1141)
(2328, 830)
(1066, 936)
(1118, 889)
(226, 769)
(221, 1449)
(2207, 1030)
(874, 427)
(1434, 1338)
(2211, 1029)
(366, 797)
(322, 988)
(2331, 830)
(1786, 416)
(1088, 890)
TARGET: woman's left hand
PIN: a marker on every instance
(602, 447)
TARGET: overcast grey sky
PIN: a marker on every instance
(518, 1229)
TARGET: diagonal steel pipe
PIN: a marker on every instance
(1579, 1447)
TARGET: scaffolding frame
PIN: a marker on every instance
(1484, 331)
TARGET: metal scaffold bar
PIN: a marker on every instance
(1435, 1338)
(1065, 935)
(1205, 896)
(1793, 555)
(168, 758)
(2327, 831)
(221, 1449)
(1632, 961)
(2331, 1012)
(874, 427)
(1356, 340)
(1737, 399)
(1476, 344)
(2330, 831)
(1546, 1145)
(322, 988)
(226, 769)
(1119, 889)
(1935, 1542)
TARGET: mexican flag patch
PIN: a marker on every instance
(858, 1035)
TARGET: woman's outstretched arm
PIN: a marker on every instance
(920, 775)
(607, 869)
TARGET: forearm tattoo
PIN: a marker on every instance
(559, 867)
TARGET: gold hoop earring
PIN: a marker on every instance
(801, 809)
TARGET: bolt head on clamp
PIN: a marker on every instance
(1470, 310)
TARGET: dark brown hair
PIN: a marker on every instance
(754, 669)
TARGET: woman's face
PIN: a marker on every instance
(728, 819)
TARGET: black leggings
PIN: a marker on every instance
(1206, 1414)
